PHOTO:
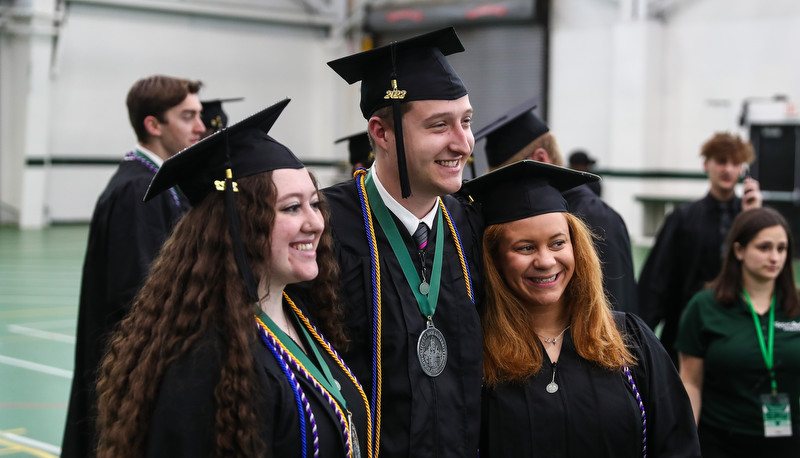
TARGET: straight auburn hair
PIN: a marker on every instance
(509, 353)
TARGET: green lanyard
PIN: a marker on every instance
(326, 379)
(767, 350)
(427, 305)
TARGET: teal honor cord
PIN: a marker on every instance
(431, 345)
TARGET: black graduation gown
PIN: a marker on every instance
(422, 416)
(685, 255)
(613, 248)
(594, 412)
(124, 237)
(183, 419)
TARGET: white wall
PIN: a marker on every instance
(644, 94)
(639, 93)
(102, 50)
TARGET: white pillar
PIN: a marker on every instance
(34, 29)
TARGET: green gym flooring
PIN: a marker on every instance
(40, 273)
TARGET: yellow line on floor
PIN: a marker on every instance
(15, 443)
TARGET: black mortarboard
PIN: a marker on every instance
(215, 162)
(244, 147)
(212, 115)
(508, 134)
(580, 158)
(359, 147)
(523, 189)
(404, 71)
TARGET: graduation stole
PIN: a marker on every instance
(288, 353)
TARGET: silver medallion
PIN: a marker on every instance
(551, 387)
(424, 288)
(354, 438)
(432, 351)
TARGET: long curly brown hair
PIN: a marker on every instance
(194, 288)
(509, 354)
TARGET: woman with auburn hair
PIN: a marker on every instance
(219, 356)
(739, 345)
(564, 375)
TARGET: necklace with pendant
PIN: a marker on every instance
(554, 340)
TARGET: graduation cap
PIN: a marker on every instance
(213, 117)
(523, 189)
(404, 71)
(359, 147)
(244, 148)
(581, 158)
(215, 162)
(508, 134)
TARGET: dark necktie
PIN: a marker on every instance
(421, 236)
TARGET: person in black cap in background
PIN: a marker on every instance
(359, 149)
(518, 135)
(219, 357)
(579, 160)
(410, 268)
(214, 118)
(595, 382)
(125, 235)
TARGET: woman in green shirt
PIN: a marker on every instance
(739, 345)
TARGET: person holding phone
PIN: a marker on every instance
(689, 246)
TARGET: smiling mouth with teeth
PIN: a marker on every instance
(452, 163)
(544, 280)
(304, 246)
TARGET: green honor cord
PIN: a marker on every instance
(427, 305)
(326, 379)
(767, 350)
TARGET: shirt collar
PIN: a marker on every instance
(407, 219)
(150, 155)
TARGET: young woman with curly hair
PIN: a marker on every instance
(218, 356)
(563, 374)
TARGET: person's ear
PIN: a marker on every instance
(540, 155)
(738, 250)
(380, 132)
(152, 125)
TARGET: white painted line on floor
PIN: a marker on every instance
(35, 367)
(51, 324)
(32, 443)
(47, 335)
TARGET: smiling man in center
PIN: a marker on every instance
(409, 252)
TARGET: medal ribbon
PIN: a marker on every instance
(427, 305)
(767, 350)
